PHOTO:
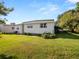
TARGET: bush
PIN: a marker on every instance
(52, 36)
(32, 34)
(27, 33)
(45, 35)
(48, 35)
(0, 34)
(76, 30)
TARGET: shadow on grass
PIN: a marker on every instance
(67, 35)
(3, 56)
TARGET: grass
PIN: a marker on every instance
(66, 46)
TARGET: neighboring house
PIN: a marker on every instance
(35, 27)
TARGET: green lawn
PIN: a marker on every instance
(66, 46)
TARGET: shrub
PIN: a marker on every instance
(38, 35)
(32, 34)
(52, 36)
(48, 35)
(76, 30)
(45, 35)
(27, 33)
(0, 34)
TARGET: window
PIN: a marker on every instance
(29, 26)
(43, 25)
(13, 28)
(17, 28)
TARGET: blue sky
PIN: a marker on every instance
(26, 10)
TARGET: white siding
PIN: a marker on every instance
(37, 29)
(18, 30)
(8, 28)
(1, 27)
(23, 28)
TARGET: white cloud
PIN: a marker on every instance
(72, 7)
(48, 9)
(73, 1)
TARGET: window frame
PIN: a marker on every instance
(29, 26)
(17, 28)
(13, 28)
(43, 25)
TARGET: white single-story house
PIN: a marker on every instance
(35, 27)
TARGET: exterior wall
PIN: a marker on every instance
(1, 27)
(8, 28)
(18, 30)
(37, 30)
(23, 28)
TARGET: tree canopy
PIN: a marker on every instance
(77, 6)
(3, 21)
(4, 11)
(70, 19)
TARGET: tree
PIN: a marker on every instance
(77, 6)
(69, 19)
(3, 21)
(4, 11)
